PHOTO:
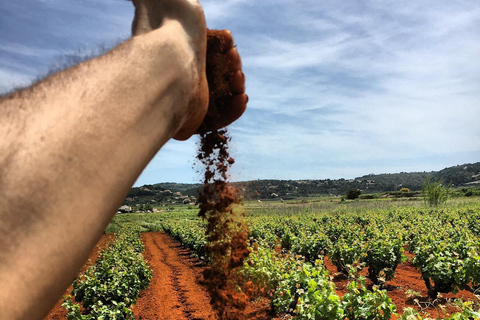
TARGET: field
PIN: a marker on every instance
(322, 258)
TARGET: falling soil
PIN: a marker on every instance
(226, 235)
(60, 313)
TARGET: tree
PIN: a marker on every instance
(434, 193)
(353, 193)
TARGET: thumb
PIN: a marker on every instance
(143, 22)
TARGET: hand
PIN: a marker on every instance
(150, 15)
(227, 94)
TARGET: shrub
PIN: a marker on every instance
(361, 303)
(440, 263)
(311, 246)
(369, 196)
(383, 256)
(308, 293)
(353, 194)
(434, 193)
(346, 253)
(108, 289)
(404, 190)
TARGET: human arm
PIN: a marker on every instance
(73, 145)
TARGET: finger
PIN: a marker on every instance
(234, 60)
(227, 38)
(238, 105)
(237, 82)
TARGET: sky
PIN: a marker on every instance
(337, 89)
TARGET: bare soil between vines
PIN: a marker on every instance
(407, 278)
(176, 292)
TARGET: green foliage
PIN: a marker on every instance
(360, 303)
(370, 196)
(445, 241)
(440, 262)
(190, 234)
(434, 193)
(287, 240)
(468, 312)
(98, 311)
(384, 253)
(461, 174)
(108, 288)
(145, 208)
(307, 291)
(466, 192)
(348, 252)
(353, 194)
(266, 268)
(471, 272)
(311, 246)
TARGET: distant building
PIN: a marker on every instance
(125, 209)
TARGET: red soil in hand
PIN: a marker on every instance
(58, 312)
(226, 237)
(217, 77)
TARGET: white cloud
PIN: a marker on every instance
(218, 11)
(336, 88)
(406, 85)
(27, 51)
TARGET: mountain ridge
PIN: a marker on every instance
(464, 175)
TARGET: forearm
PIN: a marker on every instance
(58, 193)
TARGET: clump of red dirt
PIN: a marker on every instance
(226, 236)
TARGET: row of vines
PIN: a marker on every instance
(288, 252)
(108, 288)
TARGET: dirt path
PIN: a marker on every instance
(174, 292)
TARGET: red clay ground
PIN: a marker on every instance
(175, 291)
(59, 312)
(407, 278)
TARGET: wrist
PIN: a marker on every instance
(173, 58)
(163, 63)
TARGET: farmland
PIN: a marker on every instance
(329, 259)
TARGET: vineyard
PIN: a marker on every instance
(321, 260)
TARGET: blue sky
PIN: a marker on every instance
(337, 88)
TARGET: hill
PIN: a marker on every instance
(174, 193)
